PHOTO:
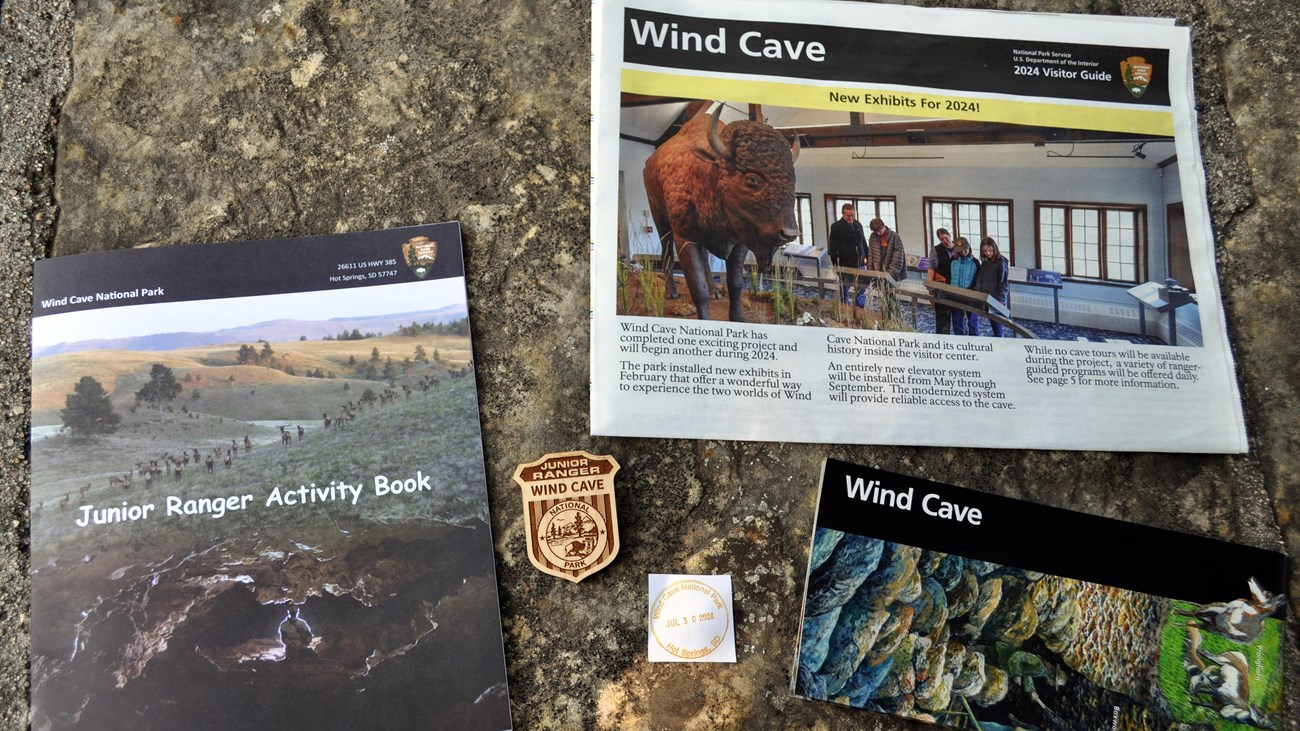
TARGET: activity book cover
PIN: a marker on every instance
(258, 496)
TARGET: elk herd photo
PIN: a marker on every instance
(201, 413)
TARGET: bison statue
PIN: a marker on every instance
(721, 189)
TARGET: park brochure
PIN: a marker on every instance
(976, 611)
(730, 135)
(258, 496)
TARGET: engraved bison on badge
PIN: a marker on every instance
(721, 189)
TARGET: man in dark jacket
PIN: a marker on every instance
(847, 243)
(941, 271)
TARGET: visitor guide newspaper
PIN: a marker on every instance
(971, 610)
(258, 497)
(849, 223)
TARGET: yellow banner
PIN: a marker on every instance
(854, 98)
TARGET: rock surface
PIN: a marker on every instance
(191, 122)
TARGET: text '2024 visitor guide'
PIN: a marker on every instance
(258, 497)
(976, 611)
(843, 222)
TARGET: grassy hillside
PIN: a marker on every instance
(214, 372)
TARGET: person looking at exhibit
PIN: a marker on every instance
(885, 251)
(964, 270)
(941, 271)
(992, 277)
(847, 245)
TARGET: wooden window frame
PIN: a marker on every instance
(798, 214)
(1142, 229)
(1006, 247)
(833, 208)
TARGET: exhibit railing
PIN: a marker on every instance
(886, 288)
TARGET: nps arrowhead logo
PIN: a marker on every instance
(419, 253)
(1135, 72)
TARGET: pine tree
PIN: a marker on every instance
(88, 411)
(162, 386)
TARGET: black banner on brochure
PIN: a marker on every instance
(240, 269)
(1041, 538)
(1073, 71)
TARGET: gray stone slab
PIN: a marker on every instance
(128, 124)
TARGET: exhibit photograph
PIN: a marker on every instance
(1092, 214)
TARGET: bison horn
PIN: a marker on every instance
(714, 140)
(794, 147)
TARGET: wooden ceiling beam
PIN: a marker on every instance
(645, 100)
(948, 132)
(692, 109)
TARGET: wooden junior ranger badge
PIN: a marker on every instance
(569, 513)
